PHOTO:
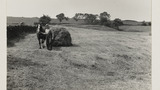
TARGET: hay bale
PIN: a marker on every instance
(58, 36)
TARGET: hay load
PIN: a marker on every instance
(58, 36)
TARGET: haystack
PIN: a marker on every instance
(58, 36)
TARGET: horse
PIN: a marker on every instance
(41, 36)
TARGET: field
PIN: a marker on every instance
(30, 21)
(101, 58)
(17, 20)
(132, 22)
(136, 28)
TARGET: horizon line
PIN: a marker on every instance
(72, 18)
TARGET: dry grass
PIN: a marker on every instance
(91, 27)
(98, 60)
(30, 21)
(136, 28)
(131, 22)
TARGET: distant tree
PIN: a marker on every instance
(117, 22)
(60, 17)
(75, 18)
(149, 23)
(45, 19)
(90, 18)
(104, 17)
(144, 23)
(108, 23)
(78, 16)
(66, 18)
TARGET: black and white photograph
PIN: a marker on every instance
(79, 44)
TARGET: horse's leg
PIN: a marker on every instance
(38, 37)
(47, 41)
(40, 43)
(43, 40)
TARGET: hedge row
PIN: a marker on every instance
(14, 32)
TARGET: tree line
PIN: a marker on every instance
(93, 19)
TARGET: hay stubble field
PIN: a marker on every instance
(98, 60)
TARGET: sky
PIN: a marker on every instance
(124, 9)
